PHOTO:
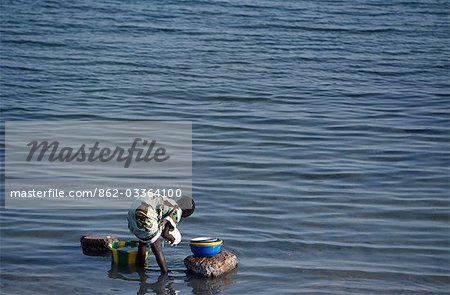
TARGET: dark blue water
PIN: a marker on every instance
(320, 138)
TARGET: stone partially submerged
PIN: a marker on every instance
(223, 262)
(97, 245)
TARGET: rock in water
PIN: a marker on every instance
(97, 245)
(223, 262)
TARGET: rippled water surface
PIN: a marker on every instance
(320, 138)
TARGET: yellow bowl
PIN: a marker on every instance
(200, 243)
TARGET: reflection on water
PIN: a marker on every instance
(214, 285)
(163, 284)
(167, 283)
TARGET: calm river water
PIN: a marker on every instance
(320, 138)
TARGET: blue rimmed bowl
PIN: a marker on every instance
(205, 247)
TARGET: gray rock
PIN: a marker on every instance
(97, 245)
(223, 262)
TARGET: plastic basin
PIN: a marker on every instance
(124, 252)
(207, 248)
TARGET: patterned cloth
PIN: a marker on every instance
(145, 216)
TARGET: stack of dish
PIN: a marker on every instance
(205, 246)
